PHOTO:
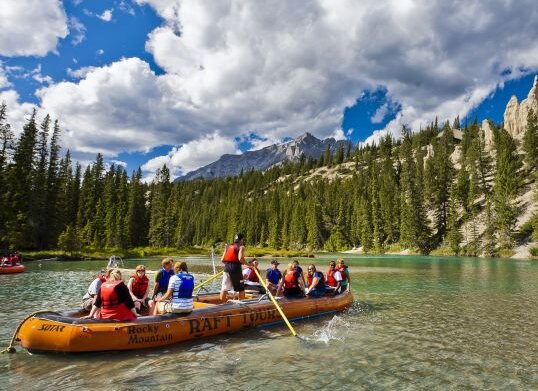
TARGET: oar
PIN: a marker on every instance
(208, 280)
(275, 303)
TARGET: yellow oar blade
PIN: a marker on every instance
(275, 302)
(208, 280)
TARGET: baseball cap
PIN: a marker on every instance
(275, 262)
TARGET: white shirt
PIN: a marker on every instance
(337, 276)
(178, 303)
(92, 289)
(246, 273)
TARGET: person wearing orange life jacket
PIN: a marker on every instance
(291, 283)
(252, 281)
(344, 272)
(138, 286)
(334, 278)
(114, 300)
(232, 278)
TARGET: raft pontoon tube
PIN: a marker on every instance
(69, 333)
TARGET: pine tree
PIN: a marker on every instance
(530, 141)
(507, 184)
(454, 236)
(20, 177)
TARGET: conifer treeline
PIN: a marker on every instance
(406, 192)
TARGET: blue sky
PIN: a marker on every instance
(147, 82)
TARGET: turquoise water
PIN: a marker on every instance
(418, 323)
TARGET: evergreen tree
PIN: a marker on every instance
(530, 141)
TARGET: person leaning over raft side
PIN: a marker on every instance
(232, 278)
(179, 291)
(316, 282)
(138, 286)
(344, 272)
(293, 286)
(273, 277)
(252, 282)
(334, 278)
(93, 290)
(162, 277)
(114, 300)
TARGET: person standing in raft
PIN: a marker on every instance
(179, 291)
(300, 270)
(273, 277)
(316, 282)
(232, 278)
(93, 290)
(252, 282)
(162, 277)
(139, 288)
(292, 283)
(114, 300)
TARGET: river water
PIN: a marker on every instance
(418, 323)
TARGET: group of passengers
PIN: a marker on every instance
(108, 297)
(10, 259)
(294, 285)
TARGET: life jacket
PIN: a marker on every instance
(232, 253)
(274, 275)
(111, 308)
(186, 287)
(290, 280)
(139, 286)
(165, 278)
(252, 276)
(309, 279)
(331, 281)
(342, 270)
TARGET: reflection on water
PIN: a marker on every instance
(417, 323)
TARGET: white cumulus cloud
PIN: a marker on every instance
(194, 154)
(31, 27)
(106, 16)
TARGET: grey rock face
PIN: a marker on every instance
(515, 115)
(232, 165)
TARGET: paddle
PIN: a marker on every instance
(208, 280)
(275, 303)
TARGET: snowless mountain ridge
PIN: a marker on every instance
(262, 159)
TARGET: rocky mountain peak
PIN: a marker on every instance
(515, 115)
(231, 165)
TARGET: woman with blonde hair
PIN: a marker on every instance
(114, 300)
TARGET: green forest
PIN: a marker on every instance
(399, 194)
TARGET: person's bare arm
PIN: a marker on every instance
(130, 287)
(241, 255)
(166, 296)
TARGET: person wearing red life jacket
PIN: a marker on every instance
(316, 282)
(252, 281)
(232, 278)
(138, 286)
(93, 290)
(345, 285)
(334, 278)
(114, 300)
(291, 283)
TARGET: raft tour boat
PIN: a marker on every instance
(66, 332)
(10, 263)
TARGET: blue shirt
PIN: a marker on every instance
(273, 275)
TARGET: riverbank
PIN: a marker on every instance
(529, 251)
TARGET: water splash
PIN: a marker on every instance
(333, 330)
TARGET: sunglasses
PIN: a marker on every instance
(141, 270)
